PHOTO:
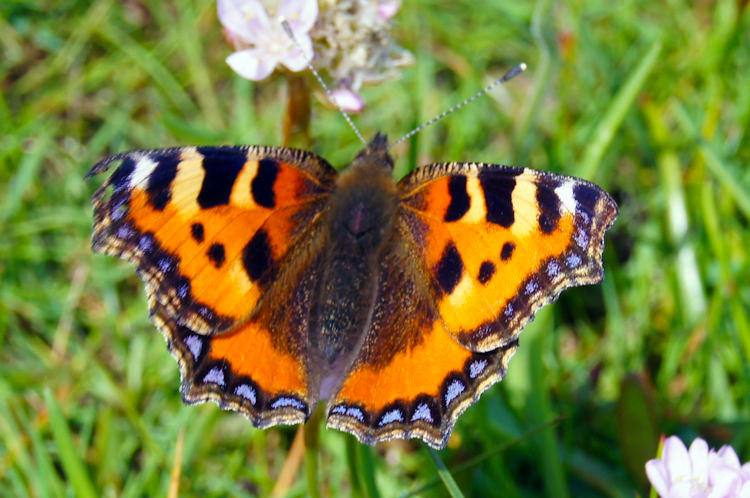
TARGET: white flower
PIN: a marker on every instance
(699, 472)
(349, 40)
(261, 42)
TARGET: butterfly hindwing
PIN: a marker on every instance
(214, 231)
(259, 367)
(500, 242)
(411, 378)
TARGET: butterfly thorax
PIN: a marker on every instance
(358, 225)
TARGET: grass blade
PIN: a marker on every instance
(723, 173)
(25, 175)
(16, 452)
(367, 471)
(312, 450)
(74, 467)
(616, 112)
(350, 448)
(542, 77)
(174, 477)
(445, 475)
(149, 63)
(473, 462)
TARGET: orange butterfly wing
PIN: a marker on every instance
(500, 242)
(213, 232)
(482, 247)
(411, 378)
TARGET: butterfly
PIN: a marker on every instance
(280, 283)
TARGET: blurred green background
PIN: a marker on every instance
(649, 99)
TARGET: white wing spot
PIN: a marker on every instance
(123, 232)
(476, 368)
(585, 218)
(294, 403)
(553, 268)
(145, 243)
(531, 287)
(143, 169)
(422, 413)
(573, 260)
(581, 239)
(390, 417)
(246, 392)
(195, 345)
(215, 376)
(166, 265)
(356, 413)
(454, 389)
(565, 193)
(118, 209)
(183, 291)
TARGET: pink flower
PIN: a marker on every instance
(348, 99)
(388, 9)
(698, 472)
(261, 42)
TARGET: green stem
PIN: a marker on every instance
(312, 447)
(367, 471)
(445, 475)
(297, 117)
(475, 461)
(353, 465)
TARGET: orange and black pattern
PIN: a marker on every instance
(231, 244)
(496, 244)
(209, 229)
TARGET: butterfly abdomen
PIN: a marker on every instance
(358, 226)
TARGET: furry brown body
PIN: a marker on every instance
(357, 228)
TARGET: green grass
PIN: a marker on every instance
(649, 99)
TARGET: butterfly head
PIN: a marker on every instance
(375, 153)
(362, 207)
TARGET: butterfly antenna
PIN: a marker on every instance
(328, 91)
(509, 75)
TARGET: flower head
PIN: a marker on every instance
(349, 39)
(261, 42)
(353, 44)
(698, 472)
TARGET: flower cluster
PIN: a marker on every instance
(698, 472)
(261, 43)
(349, 39)
(353, 44)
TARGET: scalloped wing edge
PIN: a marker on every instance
(459, 390)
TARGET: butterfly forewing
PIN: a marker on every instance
(498, 242)
(207, 226)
